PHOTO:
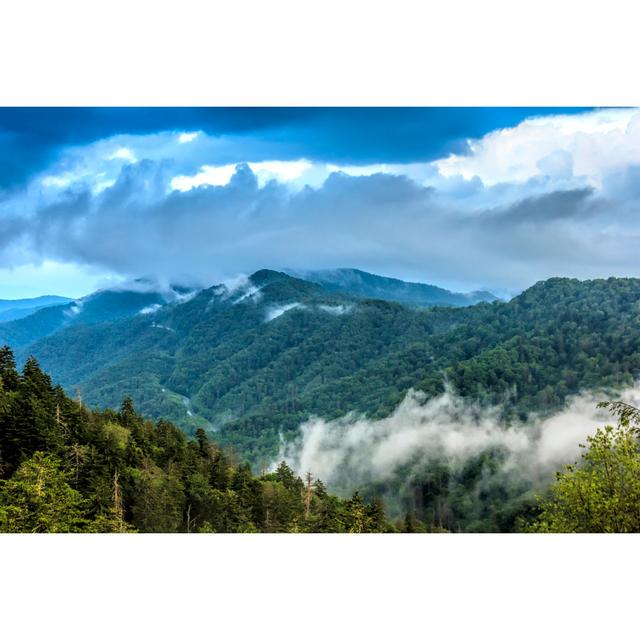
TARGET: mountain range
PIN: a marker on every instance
(368, 285)
(100, 307)
(250, 362)
(143, 296)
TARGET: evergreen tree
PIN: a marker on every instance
(203, 441)
(8, 373)
(376, 516)
(38, 499)
(68, 468)
(114, 520)
(330, 516)
(158, 499)
(357, 519)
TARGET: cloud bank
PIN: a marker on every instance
(551, 196)
(354, 451)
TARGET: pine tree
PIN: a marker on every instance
(159, 498)
(68, 468)
(331, 517)
(357, 520)
(203, 441)
(8, 372)
(113, 521)
(375, 513)
(38, 499)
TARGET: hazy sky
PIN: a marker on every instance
(462, 198)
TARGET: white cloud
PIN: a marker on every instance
(59, 181)
(147, 218)
(352, 451)
(283, 171)
(335, 309)
(208, 175)
(152, 308)
(162, 326)
(188, 137)
(75, 308)
(297, 174)
(251, 293)
(123, 153)
(275, 312)
(587, 145)
(220, 175)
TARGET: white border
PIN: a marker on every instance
(333, 52)
(318, 586)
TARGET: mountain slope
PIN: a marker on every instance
(102, 306)
(16, 309)
(67, 469)
(368, 285)
(257, 360)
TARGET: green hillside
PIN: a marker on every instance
(255, 362)
(66, 469)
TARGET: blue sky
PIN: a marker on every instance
(461, 197)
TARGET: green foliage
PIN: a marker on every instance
(215, 363)
(214, 366)
(68, 469)
(39, 499)
(601, 493)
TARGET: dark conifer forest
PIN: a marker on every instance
(66, 468)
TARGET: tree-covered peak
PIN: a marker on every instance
(279, 287)
(263, 277)
(571, 290)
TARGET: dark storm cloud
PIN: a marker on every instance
(541, 209)
(32, 138)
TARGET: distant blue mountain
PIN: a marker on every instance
(368, 285)
(16, 309)
(107, 305)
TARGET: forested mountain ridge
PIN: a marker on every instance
(368, 285)
(65, 468)
(168, 355)
(254, 361)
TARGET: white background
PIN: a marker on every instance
(322, 53)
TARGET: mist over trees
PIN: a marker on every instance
(242, 366)
(65, 468)
(218, 362)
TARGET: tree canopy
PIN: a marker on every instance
(600, 493)
(65, 468)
